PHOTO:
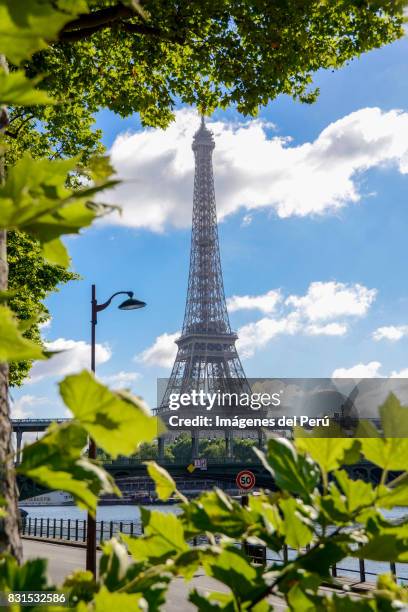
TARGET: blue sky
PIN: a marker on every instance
(318, 220)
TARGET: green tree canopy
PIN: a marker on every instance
(209, 54)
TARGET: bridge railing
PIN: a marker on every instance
(124, 461)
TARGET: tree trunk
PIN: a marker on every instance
(10, 540)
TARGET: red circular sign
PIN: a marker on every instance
(245, 480)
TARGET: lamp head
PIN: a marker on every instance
(131, 303)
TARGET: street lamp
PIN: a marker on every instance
(129, 304)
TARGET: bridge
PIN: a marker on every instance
(21, 426)
(223, 473)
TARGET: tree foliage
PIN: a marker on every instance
(31, 279)
(209, 54)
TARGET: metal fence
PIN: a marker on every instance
(75, 530)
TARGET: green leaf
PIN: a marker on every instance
(297, 532)
(391, 451)
(114, 563)
(26, 27)
(56, 253)
(301, 601)
(232, 568)
(56, 462)
(333, 505)
(394, 418)
(35, 199)
(117, 421)
(165, 485)
(13, 345)
(327, 452)
(292, 472)
(389, 498)
(31, 576)
(151, 549)
(17, 90)
(167, 527)
(388, 453)
(384, 547)
(215, 512)
(357, 492)
(324, 556)
(211, 602)
(81, 585)
(163, 538)
(268, 513)
(105, 601)
(352, 455)
(6, 296)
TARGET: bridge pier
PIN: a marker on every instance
(19, 440)
(195, 452)
(228, 444)
(160, 447)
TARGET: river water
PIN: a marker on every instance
(131, 513)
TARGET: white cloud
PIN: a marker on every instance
(121, 379)
(252, 169)
(391, 332)
(257, 335)
(325, 301)
(305, 314)
(368, 370)
(21, 408)
(361, 370)
(265, 303)
(45, 324)
(75, 355)
(322, 302)
(162, 352)
(331, 329)
(401, 374)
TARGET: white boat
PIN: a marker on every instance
(54, 498)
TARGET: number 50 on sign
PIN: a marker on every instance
(245, 480)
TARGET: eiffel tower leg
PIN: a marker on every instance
(195, 446)
(160, 444)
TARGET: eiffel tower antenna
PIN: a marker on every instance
(207, 357)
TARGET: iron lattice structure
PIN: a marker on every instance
(207, 358)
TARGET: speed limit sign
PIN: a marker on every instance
(245, 480)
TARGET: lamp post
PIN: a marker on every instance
(130, 304)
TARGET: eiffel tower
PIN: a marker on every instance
(207, 357)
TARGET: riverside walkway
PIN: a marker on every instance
(64, 558)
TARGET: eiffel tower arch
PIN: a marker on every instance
(207, 357)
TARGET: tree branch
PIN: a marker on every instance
(22, 124)
(88, 24)
(98, 18)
